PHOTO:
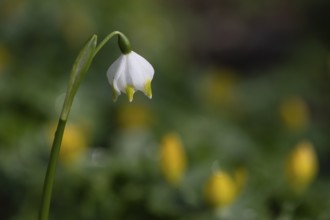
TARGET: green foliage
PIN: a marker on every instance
(226, 116)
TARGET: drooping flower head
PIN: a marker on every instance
(130, 73)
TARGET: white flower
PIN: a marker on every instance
(129, 73)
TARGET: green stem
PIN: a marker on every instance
(79, 69)
(124, 43)
(51, 169)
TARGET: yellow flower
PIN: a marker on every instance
(220, 190)
(172, 159)
(294, 113)
(74, 143)
(301, 166)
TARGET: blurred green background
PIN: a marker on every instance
(238, 84)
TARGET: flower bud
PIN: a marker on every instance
(172, 159)
(220, 190)
(301, 166)
(124, 44)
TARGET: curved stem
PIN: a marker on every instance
(107, 38)
(79, 69)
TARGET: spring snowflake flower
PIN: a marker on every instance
(129, 73)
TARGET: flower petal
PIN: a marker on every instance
(115, 70)
(121, 78)
(144, 65)
(139, 70)
(115, 94)
(147, 89)
(137, 77)
(130, 93)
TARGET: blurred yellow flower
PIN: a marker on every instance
(172, 159)
(220, 190)
(74, 143)
(294, 113)
(301, 166)
(134, 116)
(218, 87)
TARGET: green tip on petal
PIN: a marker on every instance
(147, 89)
(114, 94)
(130, 92)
